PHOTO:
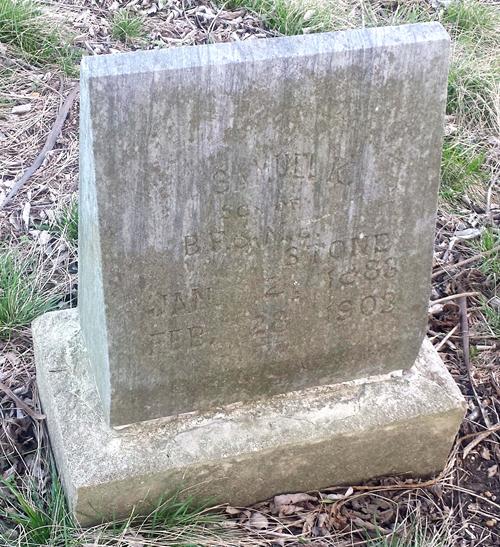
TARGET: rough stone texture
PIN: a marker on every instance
(257, 217)
(392, 424)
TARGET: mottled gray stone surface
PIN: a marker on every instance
(402, 423)
(257, 217)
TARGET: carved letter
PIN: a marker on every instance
(382, 243)
(196, 336)
(359, 245)
(179, 304)
(337, 249)
(191, 245)
(216, 239)
(175, 338)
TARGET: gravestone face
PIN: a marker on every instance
(257, 218)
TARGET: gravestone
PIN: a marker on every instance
(256, 230)
(264, 223)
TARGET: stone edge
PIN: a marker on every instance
(137, 62)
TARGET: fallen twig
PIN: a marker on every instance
(382, 488)
(445, 269)
(446, 338)
(454, 297)
(371, 527)
(20, 403)
(479, 437)
(464, 327)
(49, 144)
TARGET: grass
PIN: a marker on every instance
(23, 26)
(66, 223)
(492, 316)
(375, 14)
(417, 540)
(461, 167)
(474, 79)
(42, 518)
(470, 17)
(490, 266)
(473, 88)
(39, 517)
(127, 25)
(35, 519)
(23, 294)
(284, 16)
(415, 530)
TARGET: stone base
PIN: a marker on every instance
(403, 423)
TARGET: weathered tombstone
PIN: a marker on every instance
(256, 228)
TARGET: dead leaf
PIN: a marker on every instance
(435, 309)
(44, 237)
(292, 499)
(469, 233)
(485, 453)
(437, 490)
(492, 471)
(21, 108)
(258, 521)
(308, 523)
(308, 15)
(26, 213)
(347, 493)
(321, 528)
